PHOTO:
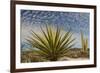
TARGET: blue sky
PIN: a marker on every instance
(77, 21)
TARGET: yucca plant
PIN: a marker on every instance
(84, 42)
(53, 43)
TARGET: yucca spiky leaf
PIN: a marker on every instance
(51, 44)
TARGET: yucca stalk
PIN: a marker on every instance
(53, 43)
(84, 42)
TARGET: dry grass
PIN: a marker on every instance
(73, 54)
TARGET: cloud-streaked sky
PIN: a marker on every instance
(32, 19)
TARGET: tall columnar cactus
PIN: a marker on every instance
(84, 42)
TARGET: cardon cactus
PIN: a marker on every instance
(84, 42)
